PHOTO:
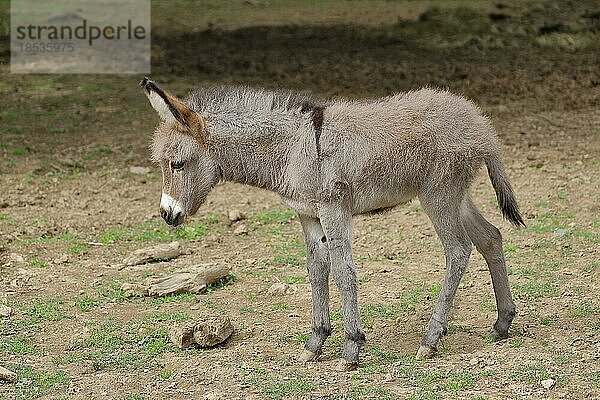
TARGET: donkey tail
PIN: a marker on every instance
(503, 189)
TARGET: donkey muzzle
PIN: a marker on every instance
(171, 210)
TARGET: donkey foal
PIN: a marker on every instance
(332, 160)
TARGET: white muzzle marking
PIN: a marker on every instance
(167, 201)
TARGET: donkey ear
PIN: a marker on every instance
(169, 107)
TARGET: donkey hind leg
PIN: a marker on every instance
(317, 259)
(445, 216)
(488, 241)
(337, 225)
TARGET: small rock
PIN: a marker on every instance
(61, 260)
(6, 375)
(160, 252)
(213, 396)
(133, 290)
(548, 383)
(16, 258)
(139, 170)
(182, 336)
(235, 216)
(240, 230)
(5, 311)
(278, 289)
(560, 233)
(213, 331)
(207, 333)
(474, 361)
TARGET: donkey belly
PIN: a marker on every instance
(380, 199)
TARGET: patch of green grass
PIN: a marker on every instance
(529, 373)
(86, 303)
(275, 216)
(19, 151)
(458, 381)
(165, 374)
(293, 280)
(510, 248)
(18, 344)
(302, 337)
(126, 345)
(516, 343)
(289, 251)
(546, 321)
(43, 309)
(584, 311)
(370, 312)
(280, 307)
(98, 152)
(534, 290)
(34, 383)
(220, 284)
(78, 248)
(38, 263)
(292, 386)
(153, 231)
(175, 298)
(545, 223)
(112, 292)
(456, 328)
(48, 239)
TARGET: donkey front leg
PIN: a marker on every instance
(338, 230)
(317, 260)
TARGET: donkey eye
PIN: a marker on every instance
(177, 166)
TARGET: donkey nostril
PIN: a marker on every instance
(176, 219)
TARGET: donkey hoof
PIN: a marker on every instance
(344, 365)
(307, 356)
(425, 352)
(495, 336)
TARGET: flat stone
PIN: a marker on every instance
(279, 289)
(7, 375)
(161, 252)
(560, 233)
(235, 216)
(209, 332)
(213, 331)
(5, 311)
(548, 383)
(240, 230)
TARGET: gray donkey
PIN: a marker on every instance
(332, 160)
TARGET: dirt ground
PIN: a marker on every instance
(71, 210)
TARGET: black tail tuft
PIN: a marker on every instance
(504, 192)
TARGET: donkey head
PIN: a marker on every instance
(189, 171)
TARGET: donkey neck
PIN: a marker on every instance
(253, 152)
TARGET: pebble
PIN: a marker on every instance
(240, 230)
(6, 375)
(548, 383)
(235, 215)
(560, 233)
(279, 288)
(16, 258)
(5, 311)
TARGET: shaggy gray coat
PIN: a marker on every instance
(332, 160)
